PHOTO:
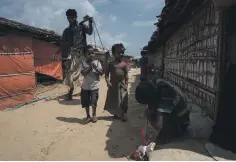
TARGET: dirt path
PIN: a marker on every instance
(53, 130)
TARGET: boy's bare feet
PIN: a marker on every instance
(94, 119)
(87, 120)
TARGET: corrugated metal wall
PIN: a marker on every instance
(191, 58)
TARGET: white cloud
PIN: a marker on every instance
(140, 15)
(145, 4)
(112, 39)
(113, 18)
(144, 23)
(50, 14)
(99, 2)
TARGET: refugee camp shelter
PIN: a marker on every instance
(196, 42)
(24, 51)
(185, 44)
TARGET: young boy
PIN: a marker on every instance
(91, 69)
(117, 82)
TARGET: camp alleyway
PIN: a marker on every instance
(54, 130)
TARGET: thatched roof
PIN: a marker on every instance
(14, 27)
(173, 16)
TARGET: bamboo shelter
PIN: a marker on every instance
(196, 42)
(187, 50)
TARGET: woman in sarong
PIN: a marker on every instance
(117, 93)
(167, 110)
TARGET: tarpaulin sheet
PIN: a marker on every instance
(14, 64)
(12, 85)
(54, 69)
(17, 78)
(16, 90)
(16, 100)
(12, 44)
(43, 54)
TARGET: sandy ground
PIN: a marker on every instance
(54, 130)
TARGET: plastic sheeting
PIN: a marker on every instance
(53, 69)
(16, 90)
(43, 54)
(15, 64)
(20, 58)
(13, 85)
(17, 77)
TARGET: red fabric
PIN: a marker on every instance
(17, 77)
(12, 85)
(43, 54)
(53, 69)
(20, 57)
(14, 64)
(16, 100)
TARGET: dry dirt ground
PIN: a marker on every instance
(54, 130)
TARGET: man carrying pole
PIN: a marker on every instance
(73, 47)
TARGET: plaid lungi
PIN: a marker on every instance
(72, 70)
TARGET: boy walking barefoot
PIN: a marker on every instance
(91, 69)
(117, 82)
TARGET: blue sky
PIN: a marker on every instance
(127, 21)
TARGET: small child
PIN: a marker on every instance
(117, 82)
(91, 69)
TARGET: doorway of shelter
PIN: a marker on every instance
(45, 79)
(224, 132)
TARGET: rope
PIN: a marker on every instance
(98, 34)
(94, 38)
(106, 57)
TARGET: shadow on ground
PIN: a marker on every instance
(62, 99)
(124, 138)
(75, 101)
(71, 120)
(70, 102)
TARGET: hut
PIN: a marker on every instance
(25, 51)
(195, 41)
(185, 43)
